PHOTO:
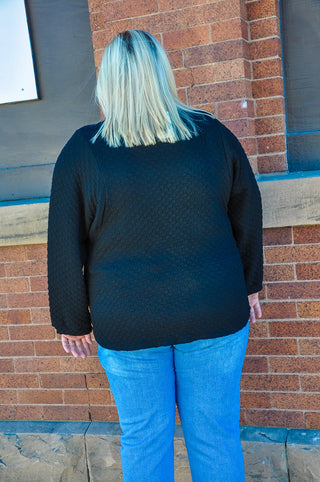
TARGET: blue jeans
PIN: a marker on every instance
(203, 378)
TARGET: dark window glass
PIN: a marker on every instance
(300, 20)
(32, 133)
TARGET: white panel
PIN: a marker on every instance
(17, 79)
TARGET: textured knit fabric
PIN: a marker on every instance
(154, 245)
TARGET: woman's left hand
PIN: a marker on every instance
(255, 309)
(77, 345)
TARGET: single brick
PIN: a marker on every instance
(307, 271)
(249, 145)
(39, 283)
(183, 77)
(6, 366)
(267, 27)
(309, 309)
(312, 420)
(278, 310)
(306, 234)
(95, 380)
(39, 396)
(32, 332)
(262, 49)
(271, 87)
(19, 381)
(76, 397)
(272, 347)
(203, 94)
(175, 59)
(272, 163)
(66, 412)
(186, 38)
(310, 347)
(37, 365)
(8, 397)
(292, 254)
(84, 365)
(294, 365)
(36, 251)
(296, 328)
(240, 127)
(15, 317)
(271, 106)
(278, 272)
(294, 290)
(262, 9)
(128, 8)
(4, 333)
(295, 401)
(2, 271)
(202, 74)
(12, 253)
(255, 364)
(255, 400)
(275, 418)
(49, 348)
(234, 69)
(62, 380)
(270, 383)
(236, 109)
(216, 52)
(20, 412)
(268, 144)
(27, 300)
(270, 125)
(310, 383)
(40, 315)
(100, 397)
(263, 69)
(229, 29)
(26, 268)
(13, 348)
(182, 94)
(104, 413)
(259, 329)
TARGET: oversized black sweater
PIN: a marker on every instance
(153, 245)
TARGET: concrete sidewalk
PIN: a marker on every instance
(90, 452)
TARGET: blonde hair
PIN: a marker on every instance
(137, 94)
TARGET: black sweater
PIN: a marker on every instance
(153, 245)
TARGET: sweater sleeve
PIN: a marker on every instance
(67, 250)
(245, 212)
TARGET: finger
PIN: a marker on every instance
(80, 348)
(252, 315)
(88, 338)
(258, 310)
(65, 344)
(86, 348)
(73, 349)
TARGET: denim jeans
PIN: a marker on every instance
(203, 378)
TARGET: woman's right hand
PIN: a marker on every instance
(77, 345)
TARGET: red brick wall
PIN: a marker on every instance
(226, 57)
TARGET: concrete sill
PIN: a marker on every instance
(289, 199)
(84, 451)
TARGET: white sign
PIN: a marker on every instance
(17, 79)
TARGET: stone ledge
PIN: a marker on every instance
(34, 451)
(288, 200)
